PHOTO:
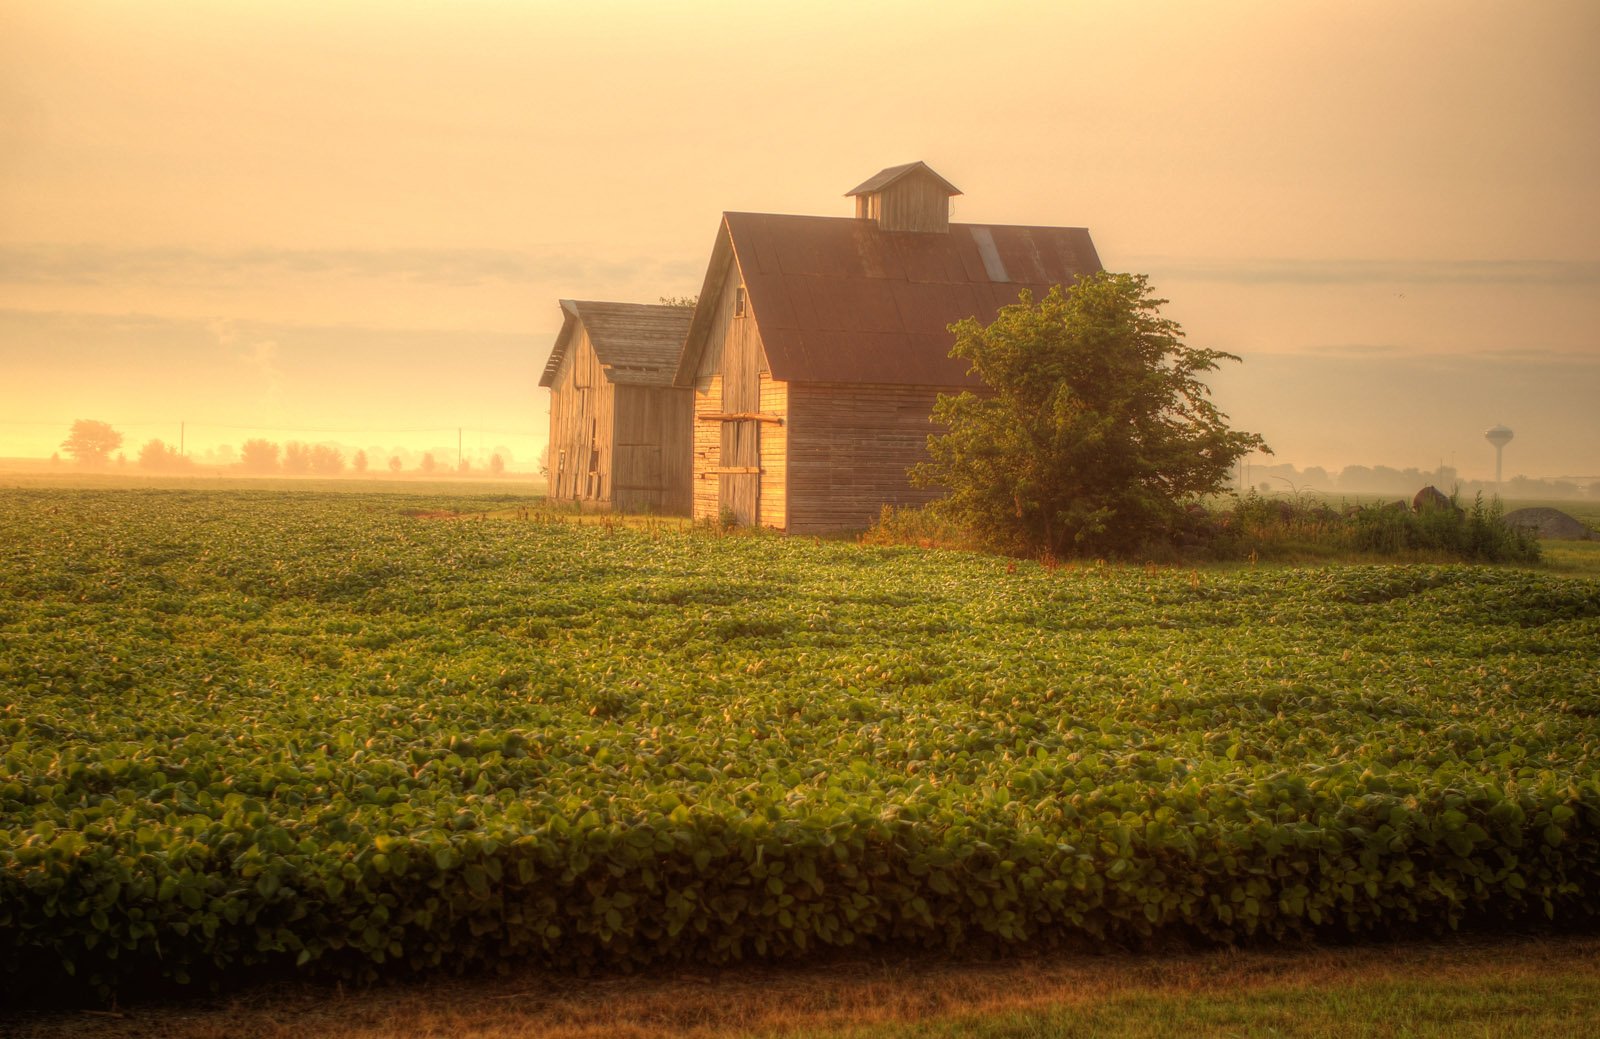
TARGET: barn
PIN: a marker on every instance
(820, 343)
(619, 428)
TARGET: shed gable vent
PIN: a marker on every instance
(906, 198)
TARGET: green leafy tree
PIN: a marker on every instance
(159, 456)
(91, 442)
(327, 460)
(259, 456)
(1095, 431)
(296, 458)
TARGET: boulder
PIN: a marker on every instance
(1430, 498)
(1550, 523)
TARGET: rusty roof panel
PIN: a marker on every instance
(777, 310)
(839, 300)
(923, 265)
(805, 311)
(927, 309)
(876, 255)
(762, 258)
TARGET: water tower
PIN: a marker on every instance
(1499, 436)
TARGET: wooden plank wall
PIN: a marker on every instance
(849, 448)
(582, 406)
(650, 470)
(732, 378)
(707, 447)
(915, 202)
(741, 438)
(774, 454)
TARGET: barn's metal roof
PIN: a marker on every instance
(883, 178)
(839, 300)
(638, 344)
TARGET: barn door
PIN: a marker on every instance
(740, 485)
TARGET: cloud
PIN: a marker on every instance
(53, 264)
(1557, 273)
(259, 358)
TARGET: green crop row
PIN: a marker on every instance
(240, 731)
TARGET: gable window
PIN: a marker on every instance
(738, 301)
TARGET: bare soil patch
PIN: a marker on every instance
(774, 1000)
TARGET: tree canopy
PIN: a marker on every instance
(1094, 431)
(91, 442)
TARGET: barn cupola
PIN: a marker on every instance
(906, 198)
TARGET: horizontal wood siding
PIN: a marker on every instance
(848, 450)
(650, 468)
(774, 454)
(582, 404)
(707, 447)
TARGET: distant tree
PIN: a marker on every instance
(689, 302)
(394, 463)
(91, 442)
(160, 457)
(259, 456)
(1356, 478)
(327, 460)
(1096, 432)
(428, 464)
(122, 460)
(55, 459)
(497, 465)
(464, 466)
(296, 458)
(359, 463)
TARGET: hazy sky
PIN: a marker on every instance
(288, 218)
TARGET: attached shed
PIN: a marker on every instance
(820, 343)
(619, 428)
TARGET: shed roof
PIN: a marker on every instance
(883, 178)
(637, 343)
(840, 300)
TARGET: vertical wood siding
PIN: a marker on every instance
(733, 379)
(581, 408)
(913, 203)
(848, 451)
(650, 470)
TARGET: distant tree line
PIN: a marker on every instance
(1383, 479)
(91, 444)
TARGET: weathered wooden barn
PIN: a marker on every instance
(619, 428)
(820, 343)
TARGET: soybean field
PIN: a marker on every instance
(351, 735)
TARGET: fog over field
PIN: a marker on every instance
(353, 225)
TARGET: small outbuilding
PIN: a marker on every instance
(619, 428)
(820, 344)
